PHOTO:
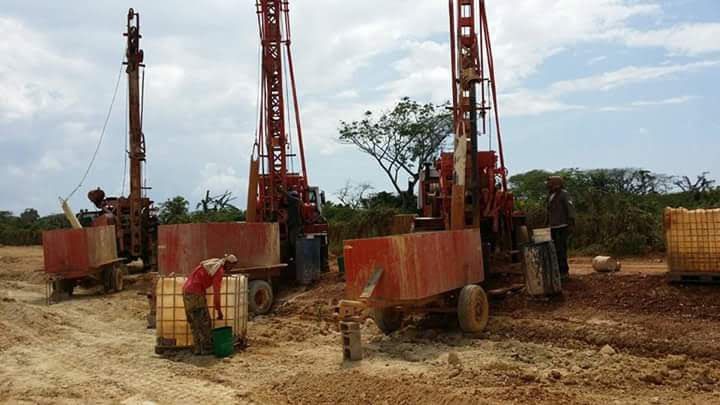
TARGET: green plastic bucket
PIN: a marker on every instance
(223, 341)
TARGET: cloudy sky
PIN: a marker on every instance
(591, 83)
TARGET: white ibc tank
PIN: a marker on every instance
(173, 331)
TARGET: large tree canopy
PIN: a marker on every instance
(401, 139)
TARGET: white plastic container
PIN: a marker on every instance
(606, 264)
(173, 330)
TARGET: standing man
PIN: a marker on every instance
(561, 220)
(209, 273)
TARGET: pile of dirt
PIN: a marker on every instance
(23, 324)
(636, 293)
(354, 387)
(21, 264)
(273, 331)
(317, 302)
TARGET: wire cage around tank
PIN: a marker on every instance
(692, 239)
(173, 330)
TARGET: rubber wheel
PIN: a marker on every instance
(108, 280)
(118, 278)
(60, 289)
(473, 309)
(388, 320)
(261, 297)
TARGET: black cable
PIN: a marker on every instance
(102, 135)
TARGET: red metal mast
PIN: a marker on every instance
(137, 138)
(268, 201)
(273, 112)
(134, 217)
(476, 174)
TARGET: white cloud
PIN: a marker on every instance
(347, 94)
(219, 179)
(165, 79)
(524, 102)
(625, 76)
(34, 77)
(549, 99)
(596, 59)
(635, 105)
(687, 39)
(671, 100)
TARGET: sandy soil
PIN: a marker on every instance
(628, 337)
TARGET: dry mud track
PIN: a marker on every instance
(620, 338)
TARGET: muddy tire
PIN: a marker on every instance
(388, 320)
(107, 279)
(261, 297)
(473, 309)
(60, 290)
(117, 278)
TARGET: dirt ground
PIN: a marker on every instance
(622, 338)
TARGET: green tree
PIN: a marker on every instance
(174, 211)
(401, 140)
(29, 216)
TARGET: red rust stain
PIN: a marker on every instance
(182, 247)
(77, 253)
(415, 266)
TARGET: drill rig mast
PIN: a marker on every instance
(133, 217)
(137, 138)
(277, 193)
(468, 187)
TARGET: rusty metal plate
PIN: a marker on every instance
(75, 253)
(182, 247)
(415, 266)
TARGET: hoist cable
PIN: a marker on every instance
(102, 135)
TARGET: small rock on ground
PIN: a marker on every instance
(454, 360)
(676, 362)
(607, 350)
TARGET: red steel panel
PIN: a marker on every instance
(182, 247)
(415, 266)
(75, 253)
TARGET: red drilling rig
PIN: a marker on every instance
(465, 202)
(122, 233)
(133, 216)
(277, 191)
(468, 187)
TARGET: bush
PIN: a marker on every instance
(619, 211)
(373, 218)
(27, 228)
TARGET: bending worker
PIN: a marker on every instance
(561, 219)
(209, 273)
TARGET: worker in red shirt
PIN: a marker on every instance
(209, 273)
